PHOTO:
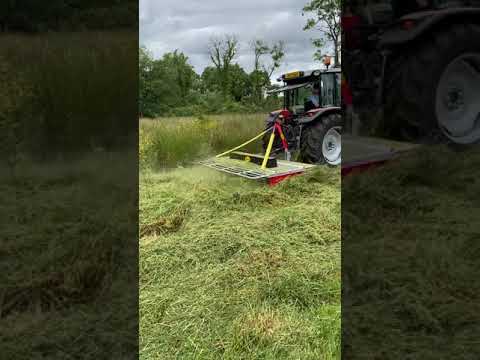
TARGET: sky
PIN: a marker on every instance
(188, 25)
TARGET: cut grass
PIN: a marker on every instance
(246, 272)
(69, 251)
(410, 258)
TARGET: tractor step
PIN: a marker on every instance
(254, 158)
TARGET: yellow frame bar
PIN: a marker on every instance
(269, 149)
(244, 144)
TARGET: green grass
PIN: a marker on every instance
(236, 270)
(68, 269)
(169, 142)
(410, 266)
(68, 91)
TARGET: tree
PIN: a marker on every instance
(164, 83)
(260, 48)
(327, 20)
(263, 71)
(222, 52)
(210, 80)
(145, 66)
(240, 83)
(184, 75)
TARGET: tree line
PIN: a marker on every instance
(170, 85)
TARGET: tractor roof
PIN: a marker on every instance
(297, 77)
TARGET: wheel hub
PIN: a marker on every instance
(332, 146)
(457, 106)
(454, 99)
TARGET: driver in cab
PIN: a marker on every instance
(313, 102)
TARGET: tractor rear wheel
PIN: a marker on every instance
(321, 141)
(432, 92)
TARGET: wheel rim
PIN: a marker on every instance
(457, 105)
(332, 146)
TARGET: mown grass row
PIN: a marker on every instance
(170, 142)
(410, 284)
(69, 250)
(237, 270)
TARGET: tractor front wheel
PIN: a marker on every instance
(321, 141)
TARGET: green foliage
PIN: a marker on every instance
(223, 51)
(165, 83)
(260, 77)
(326, 20)
(170, 87)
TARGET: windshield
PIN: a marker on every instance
(324, 92)
(296, 99)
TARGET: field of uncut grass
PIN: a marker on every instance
(237, 270)
(170, 142)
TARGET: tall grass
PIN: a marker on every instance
(169, 142)
(82, 86)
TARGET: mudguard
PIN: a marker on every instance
(275, 114)
(424, 21)
(313, 115)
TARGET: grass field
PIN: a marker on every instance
(410, 266)
(170, 142)
(68, 240)
(237, 270)
(93, 71)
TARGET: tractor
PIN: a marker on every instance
(311, 117)
(413, 67)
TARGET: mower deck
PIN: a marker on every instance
(364, 152)
(253, 171)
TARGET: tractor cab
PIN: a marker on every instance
(311, 119)
(304, 91)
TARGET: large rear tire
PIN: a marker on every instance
(321, 141)
(432, 91)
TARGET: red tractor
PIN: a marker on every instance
(311, 119)
(414, 68)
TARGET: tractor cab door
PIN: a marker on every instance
(331, 89)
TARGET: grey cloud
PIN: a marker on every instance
(188, 26)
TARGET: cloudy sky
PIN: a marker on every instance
(188, 25)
